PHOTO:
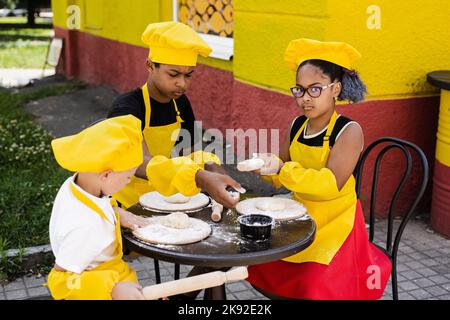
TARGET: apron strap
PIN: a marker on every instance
(88, 202)
(179, 119)
(148, 108)
(326, 139)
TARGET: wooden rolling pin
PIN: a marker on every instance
(217, 209)
(203, 281)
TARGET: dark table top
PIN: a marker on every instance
(440, 79)
(225, 247)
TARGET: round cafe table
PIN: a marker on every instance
(225, 248)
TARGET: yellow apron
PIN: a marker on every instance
(160, 140)
(97, 283)
(335, 216)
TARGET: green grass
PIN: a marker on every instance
(23, 20)
(23, 48)
(30, 177)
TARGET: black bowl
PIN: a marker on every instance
(255, 226)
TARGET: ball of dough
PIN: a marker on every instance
(177, 198)
(177, 220)
(250, 164)
(270, 205)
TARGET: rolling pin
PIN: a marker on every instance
(203, 281)
(217, 209)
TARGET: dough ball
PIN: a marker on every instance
(250, 164)
(177, 198)
(270, 205)
(177, 220)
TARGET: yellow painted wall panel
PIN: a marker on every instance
(413, 39)
(259, 44)
(316, 8)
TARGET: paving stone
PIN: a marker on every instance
(404, 258)
(237, 286)
(436, 290)
(147, 282)
(142, 274)
(439, 279)
(38, 291)
(427, 272)
(402, 267)
(231, 297)
(444, 297)
(411, 274)
(2, 296)
(441, 269)
(407, 285)
(418, 256)
(432, 253)
(429, 262)
(406, 249)
(400, 277)
(405, 296)
(414, 265)
(33, 281)
(423, 282)
(16, 294)
(446, 286)
(443, 260)
(15, 285)
(245, 295)
(420, 294)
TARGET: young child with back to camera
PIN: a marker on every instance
(85, 224)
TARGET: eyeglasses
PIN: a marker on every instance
(314, 91)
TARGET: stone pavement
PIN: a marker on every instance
(423, 270)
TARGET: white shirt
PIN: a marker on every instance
(80, 238)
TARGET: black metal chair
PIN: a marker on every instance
(391, 250)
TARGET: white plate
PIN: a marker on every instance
(292, 209)
(157, 233)
(156, 201)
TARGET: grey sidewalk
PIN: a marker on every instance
(423, 271)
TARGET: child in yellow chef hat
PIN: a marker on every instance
(84, 227)
(317, 161)
(164, 109)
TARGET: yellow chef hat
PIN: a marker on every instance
(303, 49)
(174, 43)
(112, 144)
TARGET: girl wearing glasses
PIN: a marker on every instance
(317, 161)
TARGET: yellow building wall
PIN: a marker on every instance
(409, 39)
(413, 39)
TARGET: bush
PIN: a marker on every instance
(30, 177)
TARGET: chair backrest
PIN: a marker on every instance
(391, 143)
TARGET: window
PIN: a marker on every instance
(212, 19)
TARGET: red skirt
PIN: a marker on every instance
(359, 270)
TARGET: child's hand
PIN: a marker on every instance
(272, 164)
(127, 291)
(129, 220)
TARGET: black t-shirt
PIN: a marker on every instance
(161, 114)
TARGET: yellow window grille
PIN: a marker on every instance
(213, 17)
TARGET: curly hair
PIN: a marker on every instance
(353, 88)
